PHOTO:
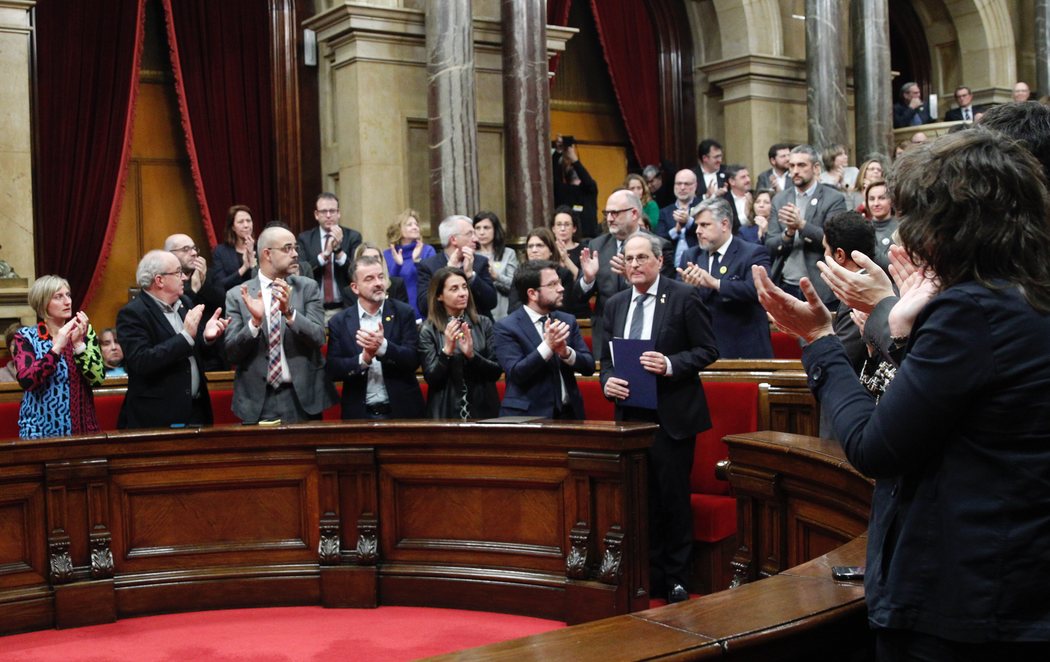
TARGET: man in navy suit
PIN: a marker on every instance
(327, 250)
(372, 349)
(911, 110)
(720, 267)
(710, 173)
(675, 223)
(457, 236)
(672, 315)
(162, 336)
(540, 349)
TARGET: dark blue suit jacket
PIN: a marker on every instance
(399, 362)
(482, 289)
(682, 333)
(960, 447)
(740, 323)
(532, 389)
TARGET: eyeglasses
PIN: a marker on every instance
(184, 249)
(170, 273)
(637, 259)
(287, 248)
(552, 285)
(615, 212)
(327, 212)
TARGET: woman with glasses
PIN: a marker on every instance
(456, 352)
(57, 362)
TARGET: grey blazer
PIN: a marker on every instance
(824, 202)
(302, 348)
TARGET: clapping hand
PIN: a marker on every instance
(809, 319)
(589, 264)
(370, 342)
(215, 326)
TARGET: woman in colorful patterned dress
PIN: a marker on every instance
(57, 362)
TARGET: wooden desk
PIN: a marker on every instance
(543, 519)
(799, 496)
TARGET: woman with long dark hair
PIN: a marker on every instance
(503, 261)
(456, 352)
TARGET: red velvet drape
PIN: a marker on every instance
(626, 34)
(87, 58)
(221, 57)
(557, 14)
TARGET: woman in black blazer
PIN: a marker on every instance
(233, 261)
(455, 349)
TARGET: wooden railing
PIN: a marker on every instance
(537, 519)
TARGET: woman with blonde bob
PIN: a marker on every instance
(406, 251)
(57, 362)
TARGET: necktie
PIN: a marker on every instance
(714, 265)
(638, 318)
(273, 351)
(966, 115)
(329, 274)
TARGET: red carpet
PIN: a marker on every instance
(276, 635)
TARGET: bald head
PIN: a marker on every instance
(1021, 91)
(685, 186)
(182, 246)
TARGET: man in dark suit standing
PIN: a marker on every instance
(911, 110)
(327, 251)
(161, 337)
(966, 111)
(720, 267)
(540, 349)
(675, 223)
(776, 178)
(457, 237)
(672, 315)
(275, 338)
(601, 264)
(372, 349)
(795, 236)
(710, 173)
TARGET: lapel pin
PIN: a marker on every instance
(722, 270)
(813, 202)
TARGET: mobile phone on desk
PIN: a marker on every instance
(847, 573)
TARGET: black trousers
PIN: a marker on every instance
(670, 512)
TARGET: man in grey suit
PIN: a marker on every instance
(795, 237)
(275, 336)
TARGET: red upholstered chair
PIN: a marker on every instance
(9, 419)
(107, 409)
(734, 408)
(785, 346)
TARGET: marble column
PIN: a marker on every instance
(1042, 48)
(451, 109)
(16, 153)
(526, 115)
(872, 94)
(825, 73)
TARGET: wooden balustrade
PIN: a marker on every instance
(544, 519)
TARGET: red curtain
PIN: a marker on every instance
(557, 14)
(626, 35)
(87, 56)
(221, 57)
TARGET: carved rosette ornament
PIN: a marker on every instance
(328, 547)
(609, 572)
(576, 560)
(101, 558)
(61, 562)
(367, 542)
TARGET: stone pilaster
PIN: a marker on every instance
(1042, 47)
(16, 178)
